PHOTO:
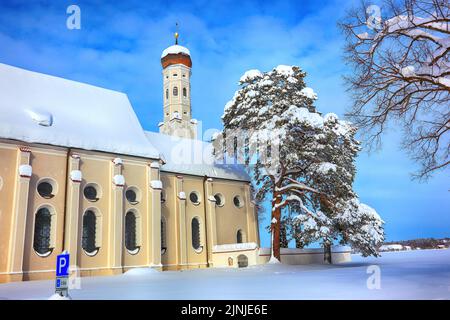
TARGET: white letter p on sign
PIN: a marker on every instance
(62, 264)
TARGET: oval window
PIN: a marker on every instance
(219, 199)
(193, 196)
(175, 91)
(46, 189)
(238, 203)
(91, 192)
(132, 195)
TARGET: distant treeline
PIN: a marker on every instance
(423, 243)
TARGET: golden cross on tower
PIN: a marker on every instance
(176, 33)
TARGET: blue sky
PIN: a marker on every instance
(119, 47)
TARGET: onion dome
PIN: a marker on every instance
(176, 54)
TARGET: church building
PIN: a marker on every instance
(79, 173)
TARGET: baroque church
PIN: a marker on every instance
(78, 173)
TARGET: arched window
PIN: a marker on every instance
(184, 92)
(42, 232)
(242, 261)
(175, 91)
(240, 237)
(130, 232)
(167, 93)
(163, 236)
(89, 232)
(195, 226)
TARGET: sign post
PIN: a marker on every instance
(62, 274)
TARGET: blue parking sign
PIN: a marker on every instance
(62, 265)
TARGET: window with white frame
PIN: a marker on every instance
(131, 228)
(43, 232)
(46, 188)
(89, 234)
(196, 239)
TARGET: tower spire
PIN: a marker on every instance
(176, 33)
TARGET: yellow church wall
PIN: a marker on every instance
(195, 258)
(49, 164)
(229, 218)
(96, 170)
(136, 176)
(69, 204)
(8, 174)
(169, 258)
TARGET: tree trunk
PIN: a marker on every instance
(276, 226)
(327, 253)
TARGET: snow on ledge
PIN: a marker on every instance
(235, 247)
(156, 184)
(119, 180)
(25, 170)
(76, 175)
(117, 161)
(154, 165)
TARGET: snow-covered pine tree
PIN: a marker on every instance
(294, 154)
(339, 216)
(334, 176)
(269, 107)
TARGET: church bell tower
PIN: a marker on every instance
(177, 64)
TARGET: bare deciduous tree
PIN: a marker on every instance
(401, 62)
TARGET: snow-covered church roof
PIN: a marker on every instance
(175, 49)
(39, 108)
(194, 157)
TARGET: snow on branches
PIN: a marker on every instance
(402, 75)
(361, 227)
(304, 159)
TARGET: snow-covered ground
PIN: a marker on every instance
(403, 275)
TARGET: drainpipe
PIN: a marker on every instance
(65, 199)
